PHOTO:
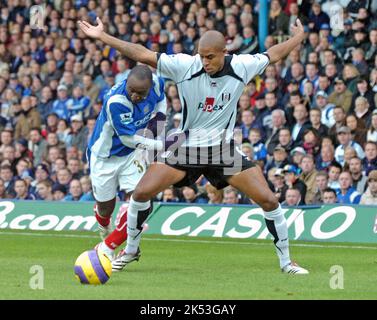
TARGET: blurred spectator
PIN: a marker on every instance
(60, 105)
(91, 90)
(278, 21)
(59, 192)
(285, 139)
(75, 191)
(372, 129)
(6, 139)
(334, 172)
(278, 160)
(3, 193)
(308, 176)
(6, 174)
(78, 136)
(44, 106)
(370, 195)
(347, 194)
(296, 155)
(341, 96)
(340, 121)
(326, 157)
(329, 196)
(169, 195)
(292, 180)
(190, 195)
(345, 140)
(74, 166)
(311, 141)
(29, 118)
(362, 90)
(370, 160)
(259, 150)
(247, 120)
(79, 103)
(278, 121)
(44, 190)
(315, 122)
(327, 109)
(358, 130)
(317, 17)
(321, 182)
(302, 122)
(215, 196)
(21, 189)
(247, 149)
(231, 196)
(63, 177)
(293, 197)
(37, 145)
(349, 153)
(359, 180)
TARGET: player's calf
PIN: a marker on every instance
(104, 223)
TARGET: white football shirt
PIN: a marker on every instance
(209, 103)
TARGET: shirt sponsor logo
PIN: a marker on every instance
(143, 121)
(126, 118)
(209, 105)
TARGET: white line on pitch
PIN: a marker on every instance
(63, 235)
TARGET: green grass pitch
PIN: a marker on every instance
(186, 268)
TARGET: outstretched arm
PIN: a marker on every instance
(133, 51)
(281, 50)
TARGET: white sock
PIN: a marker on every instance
(105, 249)
(277, 225)
(134, 234)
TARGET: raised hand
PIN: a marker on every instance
(297, 29)
(92, 31)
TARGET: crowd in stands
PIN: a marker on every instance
(309, 121)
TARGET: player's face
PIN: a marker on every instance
(212, 59)
(137, 89)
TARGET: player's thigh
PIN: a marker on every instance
(157, 178)
(254, 185)
(103, 174)
(130, 171)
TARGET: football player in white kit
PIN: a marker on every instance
(209, 85)
(130, 107)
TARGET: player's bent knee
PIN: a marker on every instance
(269, 203)
(141, 195)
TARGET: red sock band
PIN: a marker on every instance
(119, 235)
(103, 221)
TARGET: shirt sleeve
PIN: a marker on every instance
(254, 64)
(175, 66)
(120, 114)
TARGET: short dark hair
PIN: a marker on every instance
(141, 72)
(22, 180)
(295, 93)
(336, 165)
(323, 174)
(330, 190)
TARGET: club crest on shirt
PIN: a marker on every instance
(146, 109)
(225, 97)
(126, 118)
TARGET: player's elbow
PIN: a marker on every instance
(149, 58)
